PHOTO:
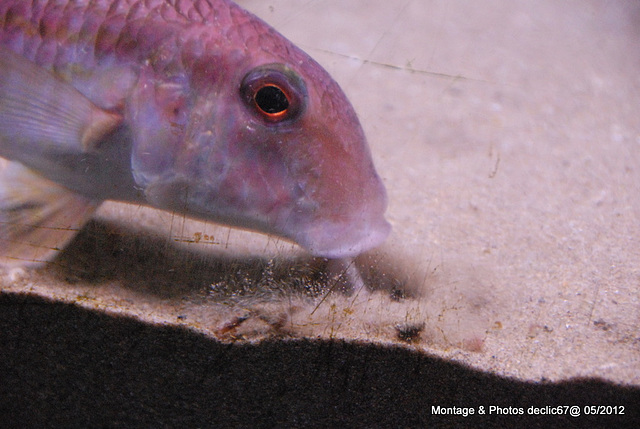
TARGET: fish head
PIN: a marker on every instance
(267, 144)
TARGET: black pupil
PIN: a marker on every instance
(271, 99)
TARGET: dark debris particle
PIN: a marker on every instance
(409, 333)
(231, 325)
(602, 324)
(398, 294)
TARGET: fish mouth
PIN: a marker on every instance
(343, 240)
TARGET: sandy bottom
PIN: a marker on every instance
(508, 136)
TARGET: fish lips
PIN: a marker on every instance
(343, 239)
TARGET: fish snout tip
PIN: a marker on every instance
(345, 240)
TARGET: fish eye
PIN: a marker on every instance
(274, 93)
(272, 101)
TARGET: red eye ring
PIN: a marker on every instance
(274, 93)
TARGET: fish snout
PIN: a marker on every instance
(345, 239)
(344, 223)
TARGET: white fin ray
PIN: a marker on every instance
(38, 217)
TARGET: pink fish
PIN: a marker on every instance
(192, 106)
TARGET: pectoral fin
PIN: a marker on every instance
(41, 112)
(37, 216)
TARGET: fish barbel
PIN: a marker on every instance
(196, 107)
